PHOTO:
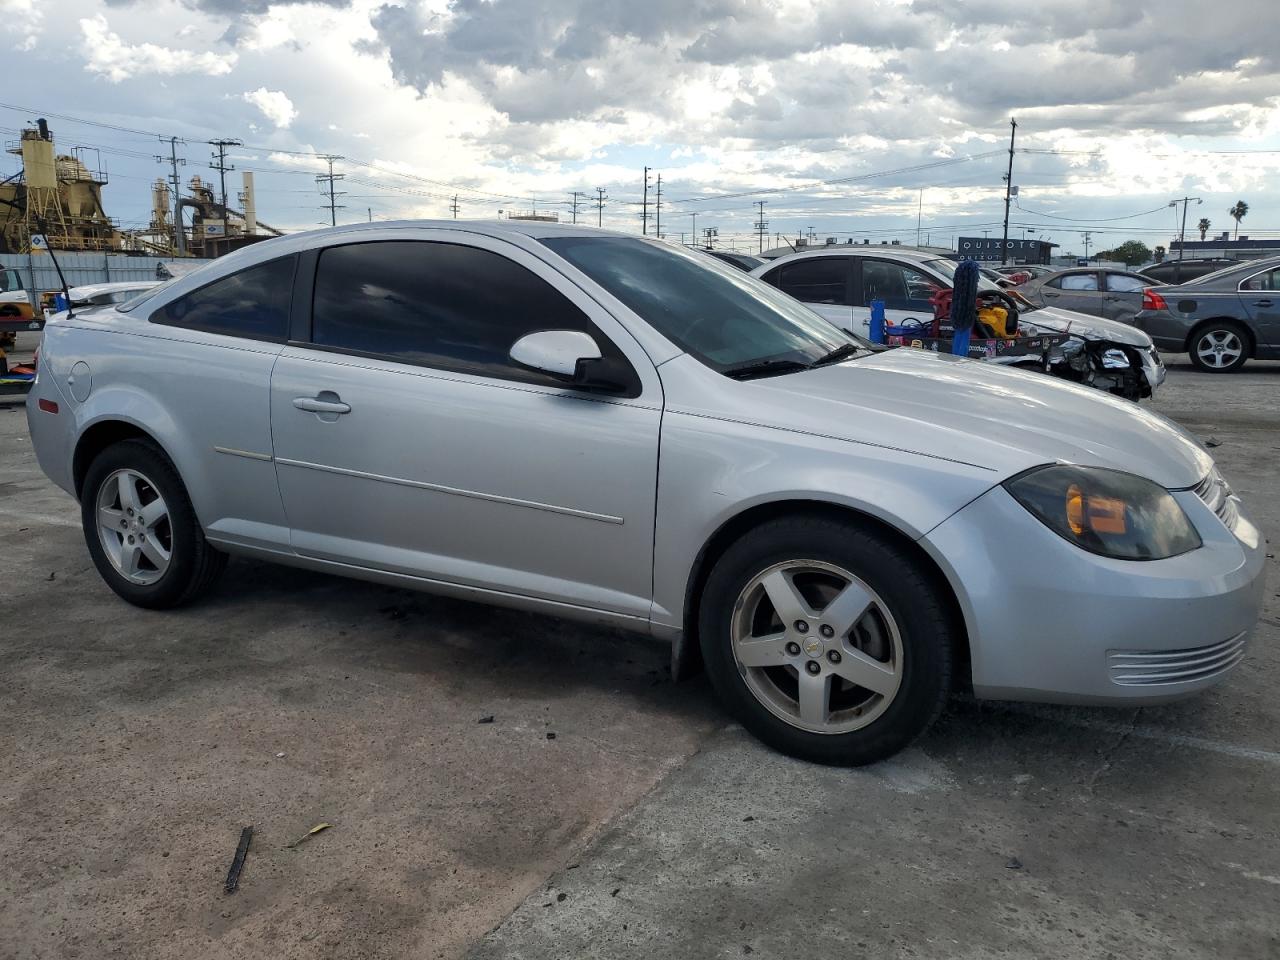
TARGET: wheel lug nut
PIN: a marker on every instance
(129, 511)
(131, 539)
(833, 656)
(826, 631)
(813, 666)
(802, 626)
(793, 649)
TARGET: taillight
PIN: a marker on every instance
(1152, 300)
(48, 406)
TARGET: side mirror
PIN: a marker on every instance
(572, 357)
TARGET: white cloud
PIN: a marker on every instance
(23, 17)
(114, 58)
(274, 104)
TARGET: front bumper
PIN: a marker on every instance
(1050, 622)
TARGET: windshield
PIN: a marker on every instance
(717, 313)
(948, 269)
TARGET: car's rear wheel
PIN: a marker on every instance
(1220, 347)
(827, 640)
(141, 529)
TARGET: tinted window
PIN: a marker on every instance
(1122, 283)
(816, 280)
(1078, 281)
(253, 303)
(438, 304)
(711, 310)
(10, 281)
(900, 287)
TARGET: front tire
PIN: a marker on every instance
(827, 640)
(141, 529)
(1220, 346)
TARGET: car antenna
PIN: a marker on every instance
(44, 237)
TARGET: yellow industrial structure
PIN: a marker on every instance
(57, 195)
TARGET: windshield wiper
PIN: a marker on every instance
(763, 368)
(842, 352)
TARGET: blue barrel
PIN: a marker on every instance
(877, 321)
(59, 302)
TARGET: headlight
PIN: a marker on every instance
(1106, 512)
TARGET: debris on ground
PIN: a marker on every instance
(487, 719)
(1213, 442)
(237, 863)
(1014, 864)
(551, 735)
(308, 835)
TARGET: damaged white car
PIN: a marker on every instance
(840, 284)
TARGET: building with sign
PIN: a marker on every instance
(995, 250)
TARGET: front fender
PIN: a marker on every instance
(711, 472)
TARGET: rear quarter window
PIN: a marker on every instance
(253, 303)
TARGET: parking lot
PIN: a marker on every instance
(504, 785)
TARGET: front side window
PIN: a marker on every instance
(1263, 281)
(438, 305)
(711, 310)
(1123, 283)
(253, 303)
(816, 280)
(10, 281)
(1079, 281)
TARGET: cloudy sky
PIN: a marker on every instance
(847, 118)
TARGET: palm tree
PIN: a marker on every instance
(1238, 213)
(1203, 226)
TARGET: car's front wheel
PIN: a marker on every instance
(141, 529)
(1220, 347)
(826, 639)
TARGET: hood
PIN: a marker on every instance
(1084, 325)
(970, 412)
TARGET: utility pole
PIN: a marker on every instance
(371, 214)
(331, 178)
(694, 228)
(453, 206)
(575, 195)
(1086, 235)
(644, 210)
(919, 215)
(658, 208)
(710, 233)
(1182, 234)
(219, 162)
(601, 197)
(1008, 193)
(179, 238)
(761, 224)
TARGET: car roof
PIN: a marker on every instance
(860, 250)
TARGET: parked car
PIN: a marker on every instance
(840, 284)
(1173, 272)
(106, 294)
(743, 261)
(1114, 294)
(477, 410)
(1220, 320)
(1024, 271)
(999, 279)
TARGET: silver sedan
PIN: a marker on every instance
(600, 426)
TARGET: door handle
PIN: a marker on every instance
(1262, 303)
(316, 405)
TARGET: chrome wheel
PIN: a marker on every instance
(817, 646)
(1219, 348)
(134, 527)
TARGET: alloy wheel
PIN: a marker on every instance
(1219, 348)
(817, 646)
(134, 527)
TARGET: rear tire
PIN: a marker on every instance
(141, 529)
(799, 610)
(1220, 346)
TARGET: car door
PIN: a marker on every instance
(906, 293)
(824, 284)
(1080, 291)
(1122, 297)
(406, 440)
(1260, 296)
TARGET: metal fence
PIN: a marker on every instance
(84, 268)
